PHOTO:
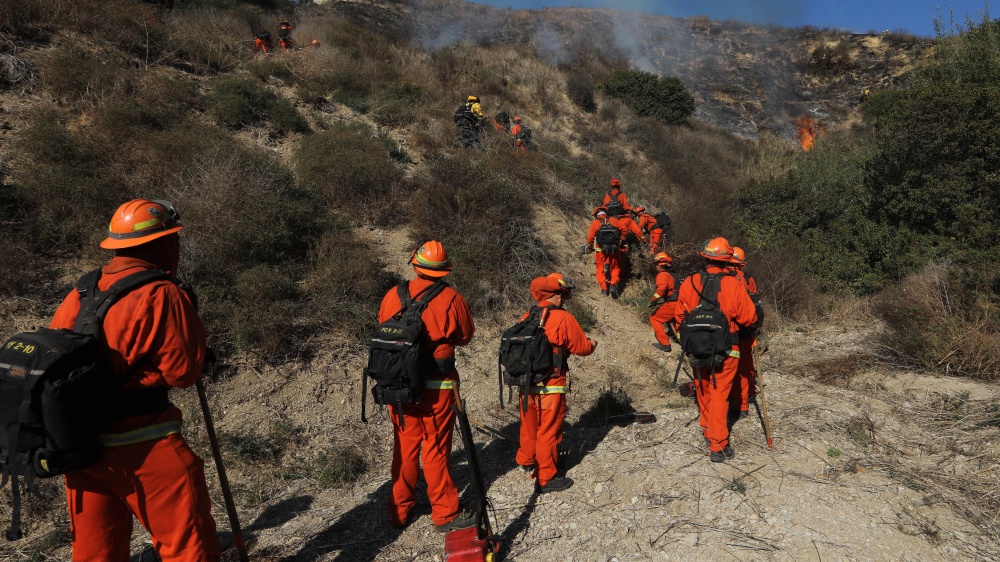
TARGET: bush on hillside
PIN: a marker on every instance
(351, 173)
(830, 61)
(484, 218)
(237, 103)
(75, 74)
(580, 90)
(933, 321)
(662, 97)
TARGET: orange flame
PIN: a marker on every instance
(808, 130)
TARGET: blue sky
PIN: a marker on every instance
(915, 16)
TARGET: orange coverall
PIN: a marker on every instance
(542, 424)
(713, 391)
(646, 223)
(744, 370)
(627, 225)
(154, 336)
(262, 46)
(614, 260)
(515, 131)
(665, 313)
(430, 422)
(617, 194)
(285, 36)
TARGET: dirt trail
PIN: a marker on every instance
(642, 492)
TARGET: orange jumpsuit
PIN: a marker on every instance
(430, 422)
(744, 370)
(713, 391)
(646, 223)
(665, 289)
(614, 261)
(542, 424)
(153, 336)
(262, 46)
(617, 194)
(285, 36)
(627, 226)
(515, 131)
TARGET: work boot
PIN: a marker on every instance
(725, 454)
(744, 414)
(614, 291)
(662, 347)
(527, 470)
(557, 484)
(604, 291)
(463, 520)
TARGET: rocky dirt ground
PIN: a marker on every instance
(851, 475)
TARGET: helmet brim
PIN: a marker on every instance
(432, 273)
(110, 243)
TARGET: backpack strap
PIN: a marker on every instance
(413, 307)
(94, 303)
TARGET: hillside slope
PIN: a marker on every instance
(870, 461)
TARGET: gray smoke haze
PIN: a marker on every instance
(745, 78)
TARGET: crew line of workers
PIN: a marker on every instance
(263, 46)
(470, 121)
(155, 340)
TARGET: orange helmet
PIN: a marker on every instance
(565, 282)
(517, 119)
(599, 210)
(717, 249)
(430, 259)
(315, 43)
(616, 182)
(140, 221)
(739, 258)
(662, 259)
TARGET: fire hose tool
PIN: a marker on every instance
(476, 543)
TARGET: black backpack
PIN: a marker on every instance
(58, 391)
(705, 336)
(608, 238)
(526, 353)
(751, 331)
(397, 358)
(662, 221)
(464, 114)
(525, 135)
(614, 206)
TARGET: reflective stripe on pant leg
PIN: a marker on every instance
(552, 409)
(438, 425)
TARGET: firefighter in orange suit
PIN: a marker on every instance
(714, 385)
(745, 373)
(664, 299)
(285, 35)
(613, 260)
(262, 44)
(628, 226)
(616, 191)
(542, 423)
(155, 342)
(429, 423)
(648, 224)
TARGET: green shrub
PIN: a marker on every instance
(483, 216)
(351, 173)
(250, 446)
(74, 74)
(830, 61)
(662, 97)
(580, 90)
(238, 103)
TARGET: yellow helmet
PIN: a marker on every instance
(473, 98)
